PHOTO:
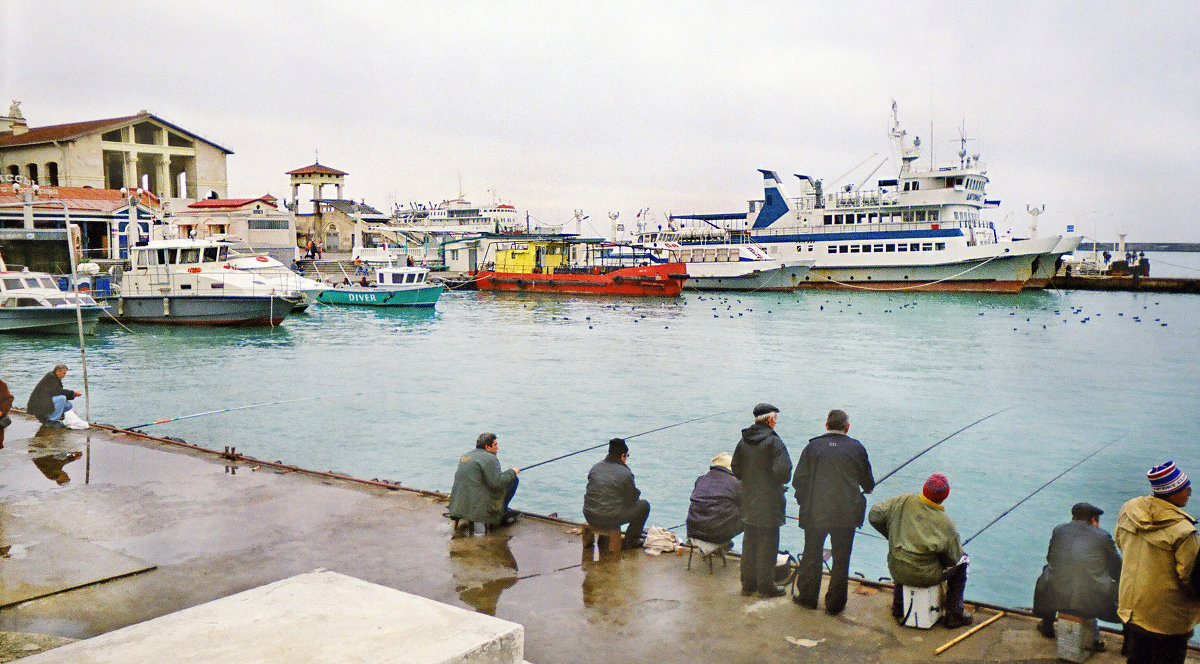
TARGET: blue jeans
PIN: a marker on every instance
(61, 405)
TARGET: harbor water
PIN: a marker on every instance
(400, 395)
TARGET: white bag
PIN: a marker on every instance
(73, 421)
(660, 540)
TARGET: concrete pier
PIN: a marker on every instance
(145, 528)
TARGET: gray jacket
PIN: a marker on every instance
(610, 492)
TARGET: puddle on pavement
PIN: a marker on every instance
(482, 566)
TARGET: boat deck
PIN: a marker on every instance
(146, 527)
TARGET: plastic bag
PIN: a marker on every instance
(73, 421)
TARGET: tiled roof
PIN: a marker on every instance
(230, 203)
(317, 169)
(74, 130)
(79, 198)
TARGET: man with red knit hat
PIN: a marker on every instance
(923, 547)
(1159, 543)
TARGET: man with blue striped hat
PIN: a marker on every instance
(1159, 543)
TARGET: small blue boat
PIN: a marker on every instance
(392, 287)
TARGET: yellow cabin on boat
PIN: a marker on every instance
(534, 256)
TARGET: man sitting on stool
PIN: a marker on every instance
(714, 513)
(1081, 573)
(481, 492)
(923, 547)
(612, 500)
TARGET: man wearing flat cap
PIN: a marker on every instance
(1081, 572)
(612, 499)
(1159, 542)
(762, 463)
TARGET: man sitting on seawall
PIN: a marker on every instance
(481, 493)
(49, 401)
(924, 547)
(612, 499)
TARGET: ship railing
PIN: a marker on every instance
(836, 229)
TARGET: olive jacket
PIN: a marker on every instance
(922, 540)
(479, 488)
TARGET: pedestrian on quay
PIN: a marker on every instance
(612, 499)
(481, 492)
(923, 547)
(1081, 573)
(714, 509)
(6, 402)
(49, 400)
(762, 463)
(832, 476)
(1159, 543)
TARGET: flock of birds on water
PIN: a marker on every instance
(728, 302)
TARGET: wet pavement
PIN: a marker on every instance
(140, 528)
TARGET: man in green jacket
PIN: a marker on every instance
(923, 547)
(481, 491)
(1159, 544)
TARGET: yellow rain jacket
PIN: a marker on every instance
(1158, 545)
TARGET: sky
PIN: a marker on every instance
(1091, 109)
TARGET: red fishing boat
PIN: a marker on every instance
(574, 265)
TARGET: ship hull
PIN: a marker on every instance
(250, 310)
(361, 296)
(41, 320)
(647, 281)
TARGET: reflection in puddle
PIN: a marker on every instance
(483, 567)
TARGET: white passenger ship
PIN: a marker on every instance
(920, 231)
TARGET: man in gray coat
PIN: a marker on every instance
(831, 477)
(612, 499)
(481, 492)
(762, 463)
(1081, 573)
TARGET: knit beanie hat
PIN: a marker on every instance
(1167, 479)
(936, 488)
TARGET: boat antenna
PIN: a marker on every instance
(1035, 492)
(595, 447)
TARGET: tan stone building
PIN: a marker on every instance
(141, 150)
(258, 221)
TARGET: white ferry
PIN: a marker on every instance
(922, 230)
(713, 264)
(459, 216)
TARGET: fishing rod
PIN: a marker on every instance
(595, 447)
(1035, 491)
(227, 410)
(918, 454)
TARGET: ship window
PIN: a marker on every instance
(916, 186)
(854, 248)
(905, 186)
(411, 278)
(915, 246)
(27, 302)
(928, 246)
(189, 255)
(940, 246)
(902, 247)
(933, 215)
(162, 257)
(920, 215)
(185, 287)
(879, 248)
(12, 284)
(907, 216)
(832, 249)
(837, 218)
(56, 301)
(891, 247)
(210, 255)
(862, 218)
(843, 249)
(828, 219)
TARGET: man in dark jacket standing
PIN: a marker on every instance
(762, 463)
(1081, 574)
(49, 400)
(481, 492)
(6, 402)
(612, 500)
(831, 477)
(714, 512)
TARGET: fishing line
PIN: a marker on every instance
(595, 447)
(1035, 491)
(918, 454)
(230, 410)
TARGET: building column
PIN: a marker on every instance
(131, 175)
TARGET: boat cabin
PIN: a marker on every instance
(181, 253)
(401, 276)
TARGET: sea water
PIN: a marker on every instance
(401, 394)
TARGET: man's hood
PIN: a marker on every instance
(1148, 513)
(756, 434)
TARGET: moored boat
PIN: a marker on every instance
(567, 264)
(191, 282)
(714, 262)
(31, 302)
(921, 230)
(404, 286)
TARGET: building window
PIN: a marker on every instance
(32, 170)
(52, 173)
(177, 141)
(114, 136)
(146, 133)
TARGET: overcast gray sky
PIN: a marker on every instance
(1091, 108)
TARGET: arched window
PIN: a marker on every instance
(32, 170)
(52, 173)
(14, 170)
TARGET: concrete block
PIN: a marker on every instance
(320, 616)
